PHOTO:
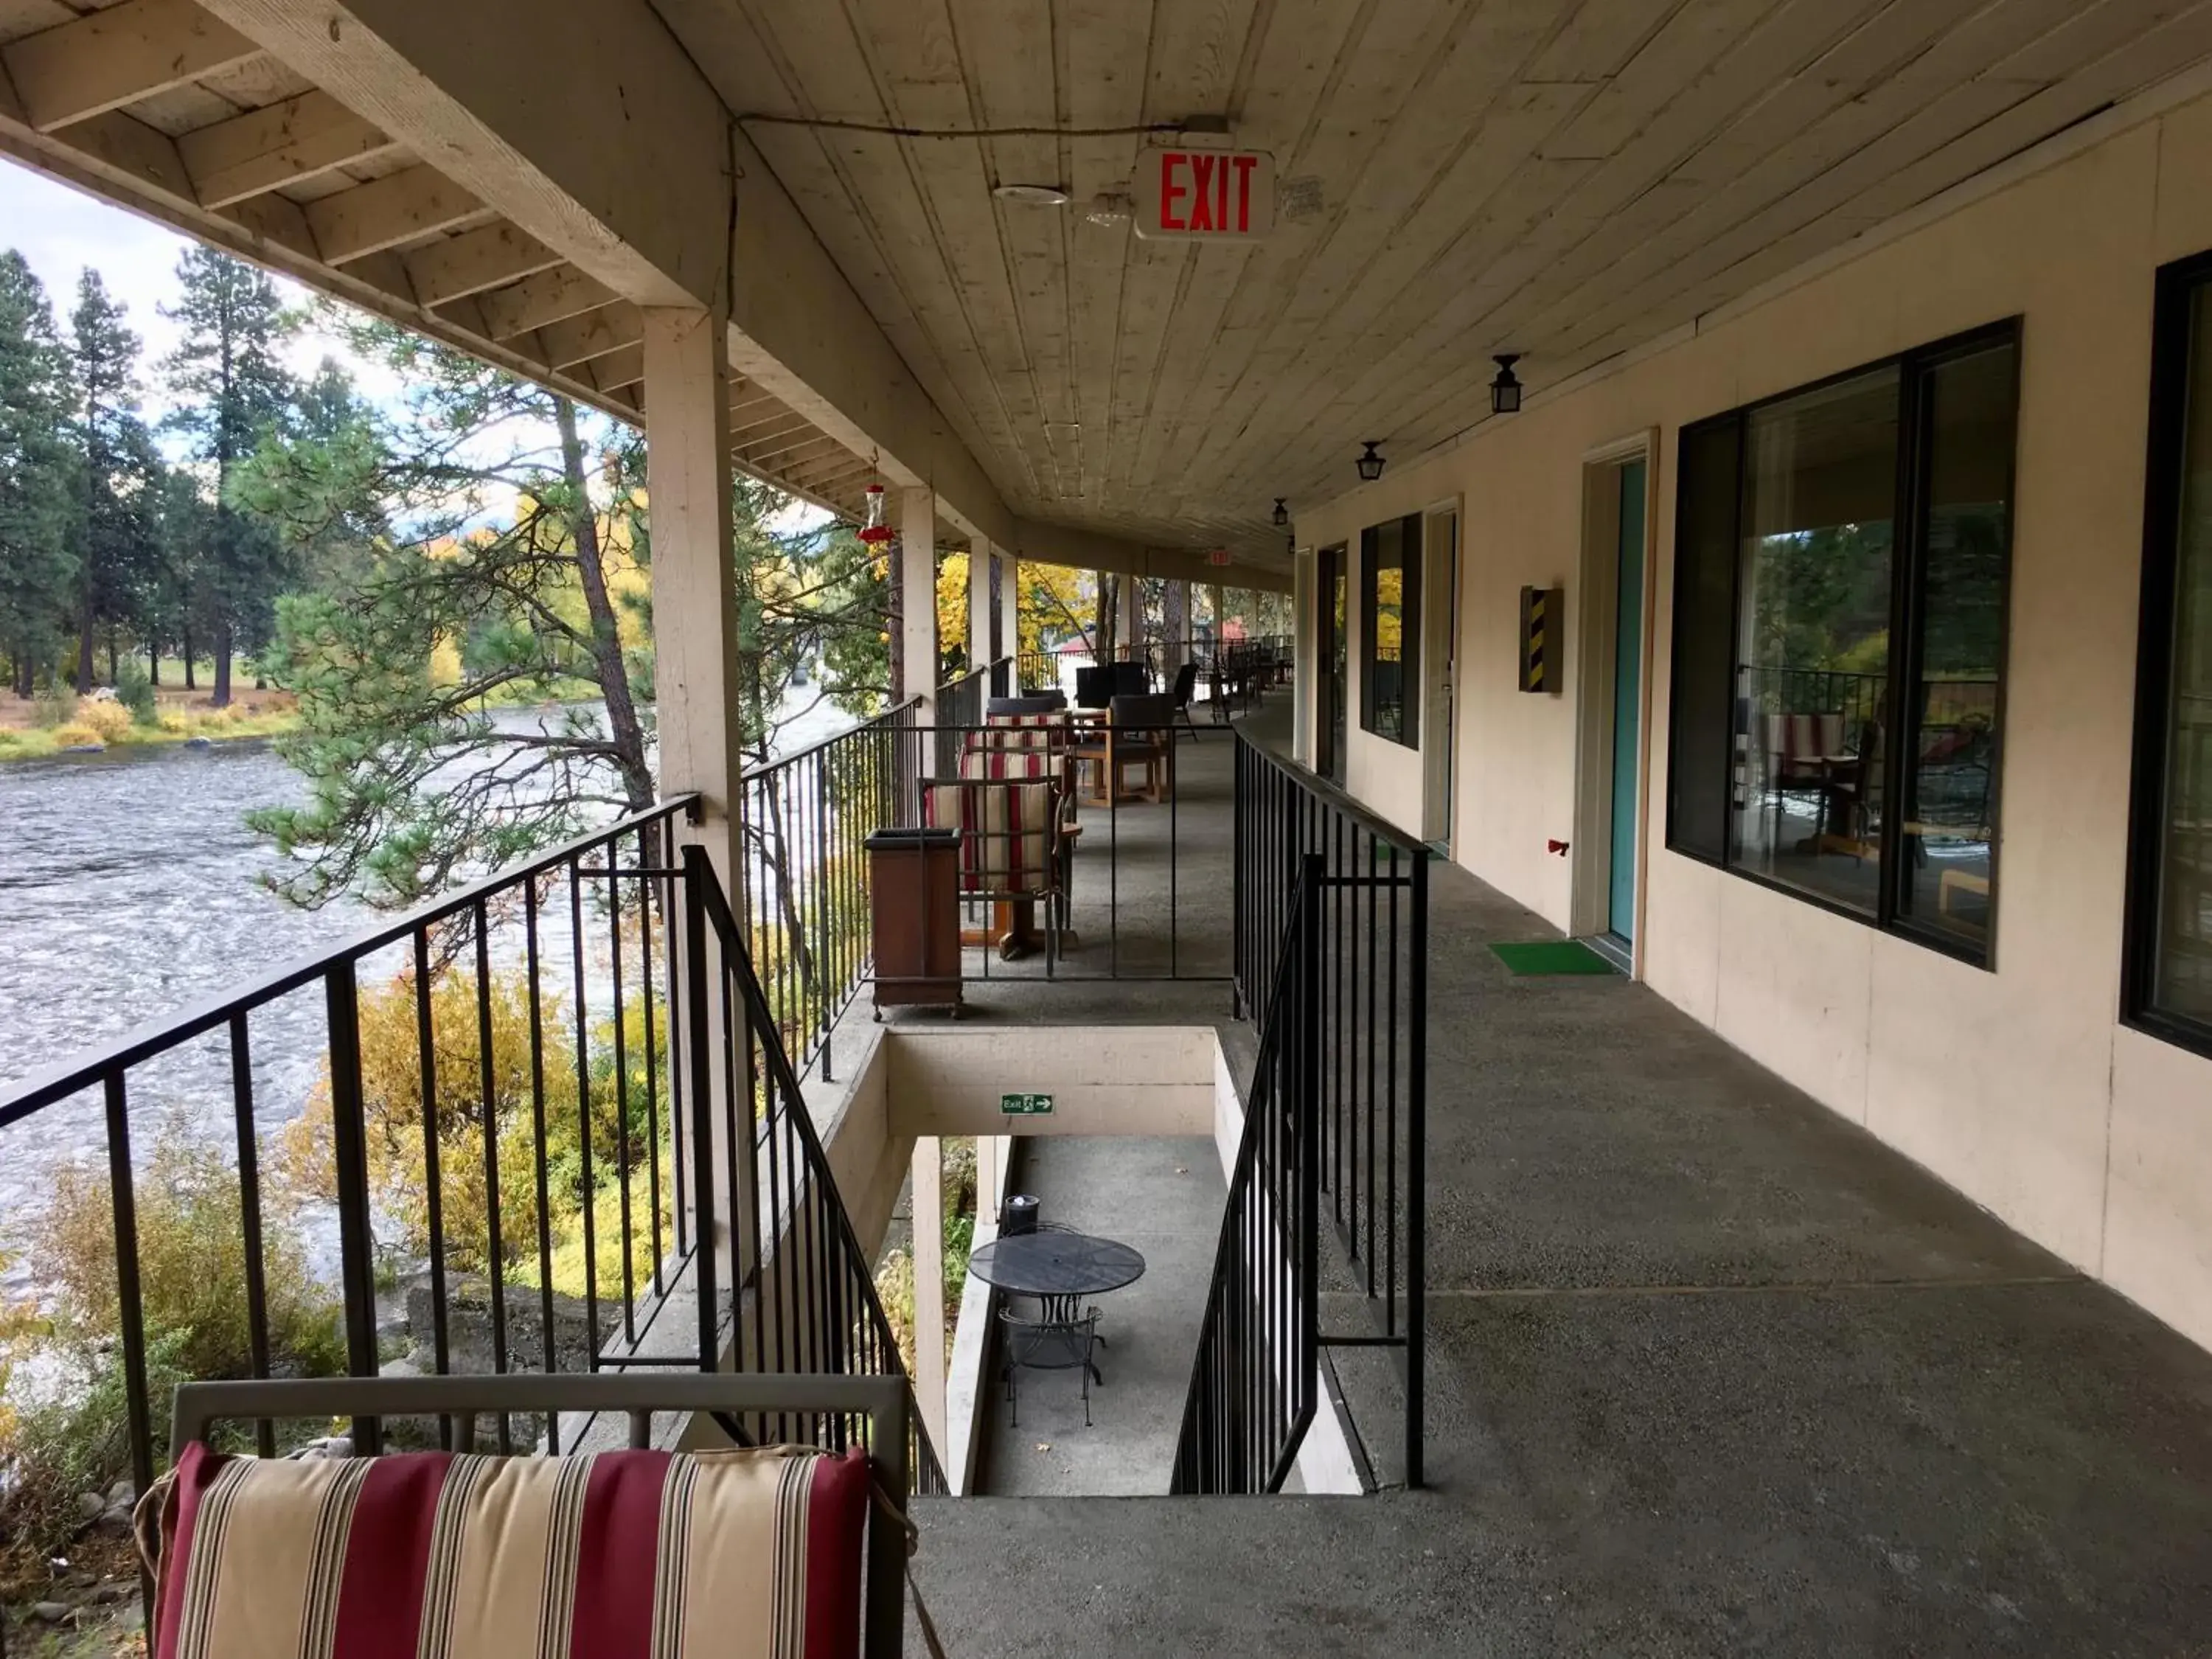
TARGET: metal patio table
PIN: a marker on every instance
(1058, 1268)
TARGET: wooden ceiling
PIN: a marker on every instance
(1561, 178)
(158, 104)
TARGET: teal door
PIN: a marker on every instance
(1627, 698)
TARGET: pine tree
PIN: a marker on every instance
(37, 567)
(232, 388)
(119, 548)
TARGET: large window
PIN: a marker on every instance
(2170, 873)
(1390, 629)
(1839, 603)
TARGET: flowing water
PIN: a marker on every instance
(131, 891)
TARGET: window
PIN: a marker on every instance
(1839, 604)
(1390, 629)
(2169, 958)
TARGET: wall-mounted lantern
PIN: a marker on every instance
(1505, 390)
(1370, 464)
(1282, 513)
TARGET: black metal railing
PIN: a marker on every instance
(802, 896)
(1253, 1388)
(804, 1300)
(530, 1013)
(541, 1096)
(1371, 1023)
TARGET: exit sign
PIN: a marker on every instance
(1025, 1105)
(1205, 194)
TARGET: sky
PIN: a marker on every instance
(61, 231)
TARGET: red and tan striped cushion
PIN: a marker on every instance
(1797, 740)
(1021, 731)
(617, 1555)
(1004, 844)
(978, 764)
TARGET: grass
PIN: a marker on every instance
(39, 743)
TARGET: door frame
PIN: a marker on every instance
(1590, 898)
(1332, 564)
(1440, 581)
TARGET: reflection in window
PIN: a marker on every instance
(1390, 619)
(1858, 533)
(2177, 795)
(1813, 643)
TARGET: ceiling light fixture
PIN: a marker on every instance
(1034, 195)
(1370, 464)
(1282, 513)
(1505, 391)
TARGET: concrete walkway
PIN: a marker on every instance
(1163, 1196)
(1711, 1371)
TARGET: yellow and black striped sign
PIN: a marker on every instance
(1543, 623)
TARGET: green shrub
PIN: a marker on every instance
(107, 717)
(135, 691)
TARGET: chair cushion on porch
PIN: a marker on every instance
(1019, 764)
(428, 1555)
(1006, 839)
(1042, 730)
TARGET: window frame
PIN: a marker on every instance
(2175, 287)
(1410, 613)
(1908, 583)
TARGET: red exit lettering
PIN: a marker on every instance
(1206, 193)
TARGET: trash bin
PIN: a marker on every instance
(913, 885)
(1020, 1216)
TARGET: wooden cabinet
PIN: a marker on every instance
(913, 880)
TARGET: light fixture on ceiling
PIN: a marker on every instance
(1370, 464)
(1282, 513)
(1110, 207)
(1505, 390)
(1034, 195)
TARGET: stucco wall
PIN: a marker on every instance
(2019, 1086)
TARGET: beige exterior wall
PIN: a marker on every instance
(2018, 1085)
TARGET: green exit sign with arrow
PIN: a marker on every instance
(1025, 1105)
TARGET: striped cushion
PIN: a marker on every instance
(642, 1554)
(1015, 763)
(1795, 741)
(1004, 843)
(1022, 731)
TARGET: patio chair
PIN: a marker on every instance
(232, 1535)
(1029, 703)
(1047, 1345)
(1139, 731)
(1186, 687)
(1012, 848)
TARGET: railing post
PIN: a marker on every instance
(349, 1160)
(698, 1024)
(1417, 1163)
(1306, 1096)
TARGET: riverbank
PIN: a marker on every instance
(215, 725)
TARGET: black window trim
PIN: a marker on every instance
(1909, 555)
(2174, 286)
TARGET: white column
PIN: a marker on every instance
(917, 544)
(1009, 589)
(1220, 611)
(1128, 613)
(695, 694)
(980, 557)
(694, 592)
(928, 1172)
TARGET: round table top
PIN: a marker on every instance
(1048, 1263)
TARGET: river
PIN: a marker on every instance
(130, 890)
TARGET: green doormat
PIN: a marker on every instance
(1553, 956)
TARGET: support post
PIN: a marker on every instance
(917, 557)
(696, 695)
(981, 558)
(929, 1171)
(1213, 594)
(1009, 591)
(1128, 632)
(687, 376)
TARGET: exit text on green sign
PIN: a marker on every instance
(1025, 1105)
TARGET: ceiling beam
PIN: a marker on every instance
(616, 369)
(584, 121)
(371, 217)
(793, 450)
(551, 296)
(265, 149)
(474, 261)
(103, 61)
(594, 334)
